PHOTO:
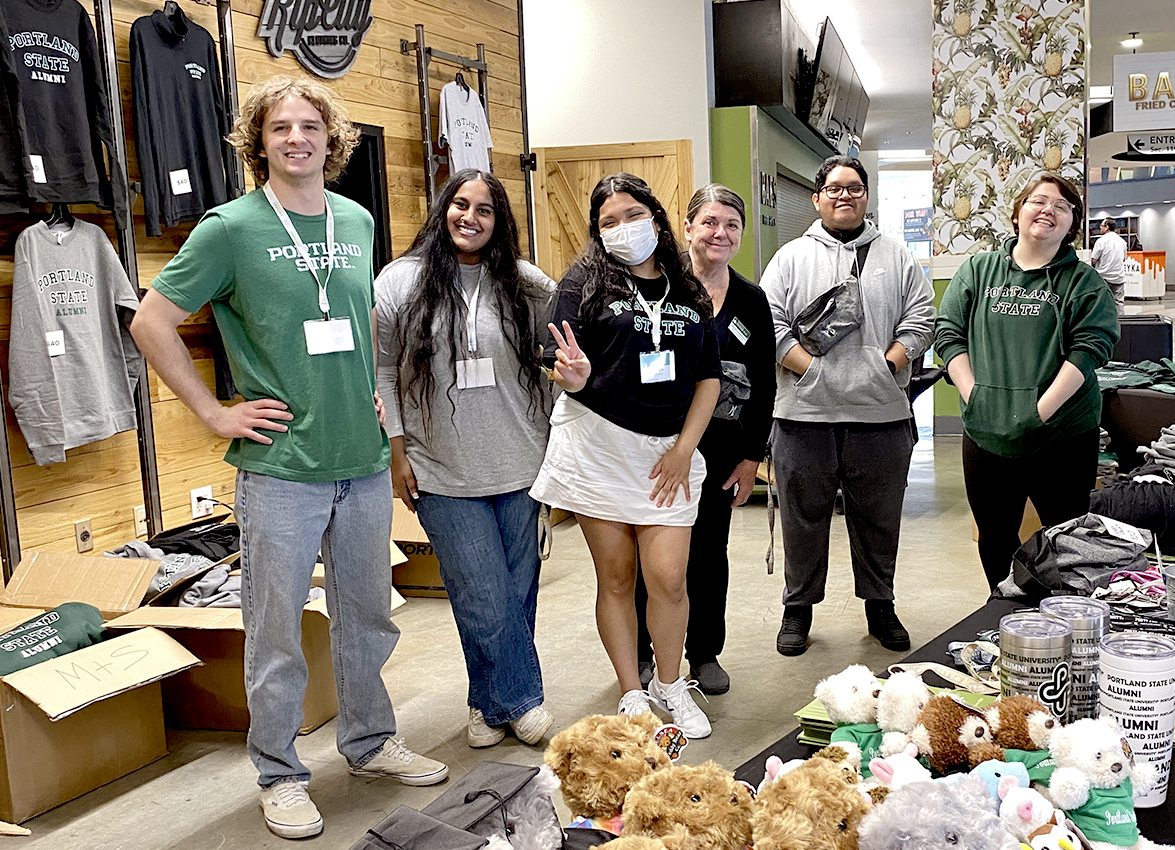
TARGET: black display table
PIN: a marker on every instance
(1157, 824)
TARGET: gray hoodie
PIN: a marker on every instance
(850, 383)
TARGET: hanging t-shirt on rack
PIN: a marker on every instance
(464, 129)
(72, 363)
(64, 112)
(179, 118)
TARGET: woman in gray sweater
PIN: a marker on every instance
(461, 321)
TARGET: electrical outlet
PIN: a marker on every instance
(84, 535)
(140, 521)
(202, 504)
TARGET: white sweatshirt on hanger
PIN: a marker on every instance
(464, 129)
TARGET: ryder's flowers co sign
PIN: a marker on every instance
(324, 35)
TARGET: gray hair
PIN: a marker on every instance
(719, 194)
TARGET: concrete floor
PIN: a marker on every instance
(203, 795)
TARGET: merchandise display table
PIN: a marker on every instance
(1157, 824)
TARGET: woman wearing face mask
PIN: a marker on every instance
(1022, 330)
(633, 346)
(461, 319)
(735, 441)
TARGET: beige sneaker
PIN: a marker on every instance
(396, 761)
(480, 734)
(289, 811)
(531, 726)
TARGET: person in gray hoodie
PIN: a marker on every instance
(841, 409)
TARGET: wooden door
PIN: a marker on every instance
(566, 177)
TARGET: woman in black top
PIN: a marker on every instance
(622, 453)
(735, 441)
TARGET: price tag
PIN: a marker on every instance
(38, 165)
(181, 184)
(326, 336)
(1123, 531)
(55, 341)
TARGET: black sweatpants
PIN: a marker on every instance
(708, 571)
(1057, 477)
(869, 463)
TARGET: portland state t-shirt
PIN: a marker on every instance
(240, 258)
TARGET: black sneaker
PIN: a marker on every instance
(793, 634)
(711, 678)
(885, 625)
(645, 671)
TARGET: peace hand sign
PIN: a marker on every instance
(572, 368)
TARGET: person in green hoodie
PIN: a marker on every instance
(1021, 331)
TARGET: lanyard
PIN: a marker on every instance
(653, 311)
(471, 309)
(284, 218)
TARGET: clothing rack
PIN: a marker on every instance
(148, 462)
(424, 56)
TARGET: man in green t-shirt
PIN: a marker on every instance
(287, 269)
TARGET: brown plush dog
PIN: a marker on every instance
(599, 758)
(1020, 723)
(950, 734)
(809, 808)
(705, 799)
(679, 840)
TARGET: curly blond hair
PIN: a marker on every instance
(245, 137)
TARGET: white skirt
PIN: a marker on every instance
(599, 469)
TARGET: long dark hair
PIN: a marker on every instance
(607, 278)
(436, 303)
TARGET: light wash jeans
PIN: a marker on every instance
(283, 526)
(488, 553)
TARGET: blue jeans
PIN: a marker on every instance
(284, 524)
(488, 553)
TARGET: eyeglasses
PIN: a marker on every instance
(1040, 203)
(857, 190)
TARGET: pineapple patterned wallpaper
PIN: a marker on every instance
(1008, 100)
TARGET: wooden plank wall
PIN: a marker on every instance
(102, 481)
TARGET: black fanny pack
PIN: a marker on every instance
(831, 316)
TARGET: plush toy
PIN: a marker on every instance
(597, 761)
(1021, 727)
(1023, 810)
(848, 760)
(948, 731)
(1094, 782)
(899, 769)
(993, 772)
(1053, 835)
(678, 840)
(850, 698)
(809, 808)
(902, 698)
(903, 768)
(714, 808)
(528, 820)
(934, 816)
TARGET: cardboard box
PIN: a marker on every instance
(420, 573)
(213, 696)
(73, 723)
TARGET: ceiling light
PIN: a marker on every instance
(1133, 42)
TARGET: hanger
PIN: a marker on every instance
(170, 8)
(60, 218)
(461, 82)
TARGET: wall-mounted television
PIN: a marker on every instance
(839, 102)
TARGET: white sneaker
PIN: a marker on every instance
(289, 811)
(634, 703)
(481, 734)
(531, 726)
(396, 761)
(676, 699)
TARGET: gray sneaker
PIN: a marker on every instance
(289, 811)
(396, 761)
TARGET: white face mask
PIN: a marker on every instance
(632, 242)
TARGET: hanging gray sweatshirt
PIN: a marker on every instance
(851, 382)
(72, 363)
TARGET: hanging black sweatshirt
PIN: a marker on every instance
(13, 196)
(179, 118)
(63, 105)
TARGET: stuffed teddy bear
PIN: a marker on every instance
(847, 758)
(950, 734)
(1021, 727)
(902, 698)
(714, 808)
(850, 698)
(809, 808)
(934, 816)
(598, 759)
(1094, 782)
(679, 839)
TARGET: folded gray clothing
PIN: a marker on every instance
(172, 568)
(228, 595)
(220, 590)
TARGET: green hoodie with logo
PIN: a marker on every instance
(1018, 327)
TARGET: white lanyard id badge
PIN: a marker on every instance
(325, 335)
(473, 371)
(656, 366)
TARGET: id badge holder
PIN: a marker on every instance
(658, 366)
(475, 372)
(326, 336)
